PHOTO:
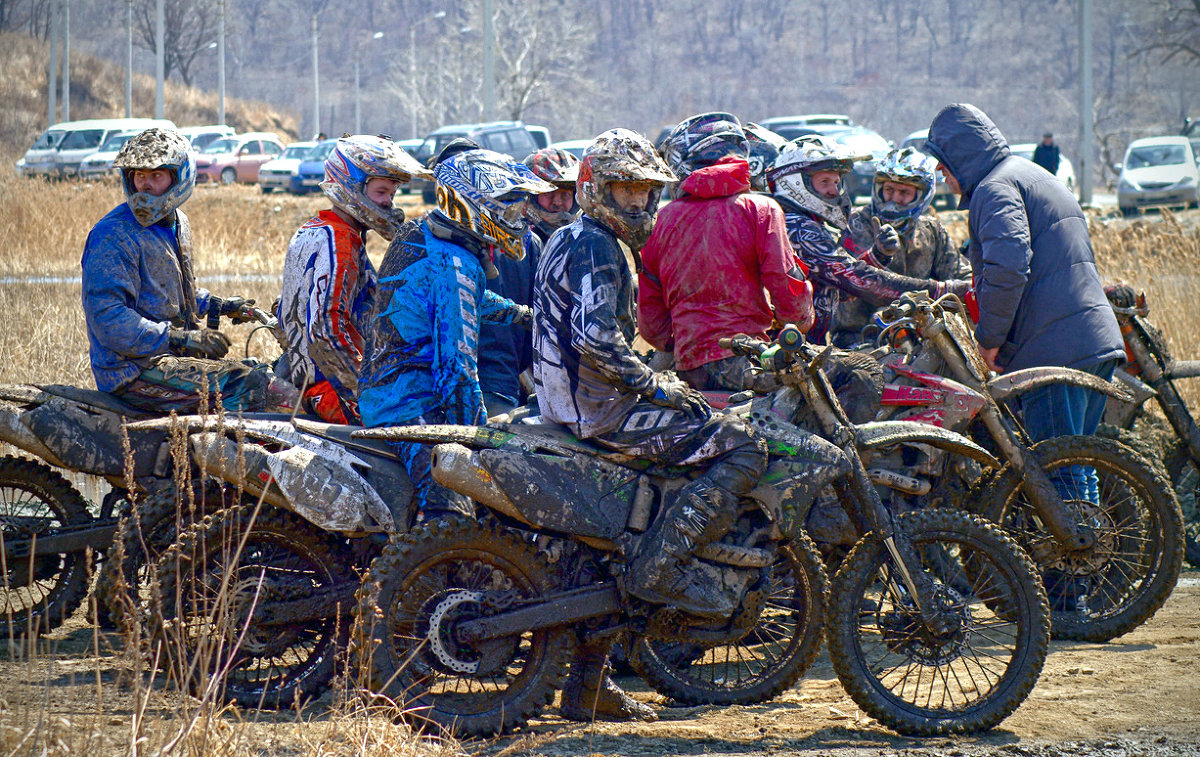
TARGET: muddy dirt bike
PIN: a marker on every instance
(1151, 373)
(48, 527)
(1108, 564)
(257, 599)
(469, 624)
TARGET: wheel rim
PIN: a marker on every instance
(957, 667)
(1102, 581)
(211, 626)
(460, 584)
(27, 584)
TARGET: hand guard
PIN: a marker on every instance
(679, 396)
(205, 343)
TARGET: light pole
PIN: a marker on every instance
(129, 58)
(66, 77)
(357, 97)
(316, 80)
(160, 52)
(412, 65)
(221, 63)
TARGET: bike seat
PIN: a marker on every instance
(340, 434)
(97, 399)
(527, 422)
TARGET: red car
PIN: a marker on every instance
(237, 158)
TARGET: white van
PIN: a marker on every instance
(203, 136)
(83, 138)
(39, 159)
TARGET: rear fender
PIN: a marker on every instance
(1026, 380)
(887, 433)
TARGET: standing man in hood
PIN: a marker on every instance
(1040, 297)
(716, 253)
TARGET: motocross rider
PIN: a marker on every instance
(506, 352)
(141, 302)
(716, 252)
(329, 283)
(807, 181)
(588, 378)
(420, 360)
(903, 190)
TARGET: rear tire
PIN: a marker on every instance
(37, 595)
(228, 176)
(967, 678)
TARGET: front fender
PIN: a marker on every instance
(1027, 379)
(887, 433)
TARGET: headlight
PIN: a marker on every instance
(1126, 186)
(1187, 181)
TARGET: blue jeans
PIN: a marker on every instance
(1064, 410)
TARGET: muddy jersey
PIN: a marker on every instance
(926, 253)
(328, 291)
(137, 284)
(585, 370)
(836, 270)
(423, 340)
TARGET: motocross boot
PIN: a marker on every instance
(591, 694)
(662, 573)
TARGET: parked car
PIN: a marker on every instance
(39, 158)
(1066, 169)
(864, 142)
(203, 136)
(508, 137)
(941, 193)
(83, 138)
(278, 173)
(540, 134)
(311, 171)
(237, 158)
(99, 164)
(1158, 171)
(410, 146)
(573, 146)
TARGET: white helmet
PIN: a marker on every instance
(151, 149)
(353, 163)
(790, 177)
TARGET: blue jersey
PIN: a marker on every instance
(421, 355)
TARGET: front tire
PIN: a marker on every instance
(224, 569)
(964, 678)
(37, 595)
(228, 176)
(780, 648)
(1108, 590)
(447, 571)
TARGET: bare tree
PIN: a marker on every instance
(1177, 34)
(190, 26)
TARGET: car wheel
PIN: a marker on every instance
(228, 176)
(1129, 212)
(266, 190)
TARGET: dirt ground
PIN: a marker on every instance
(1136, 696)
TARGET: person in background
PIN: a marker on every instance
(328, 281)
(140, 300)
(1046, 154)
(717, 252)
(904, 184)
(420, 360)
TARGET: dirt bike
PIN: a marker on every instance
(469, 624)
(48, 527)
(258, 597)
(1150, 373)
(1108, 564)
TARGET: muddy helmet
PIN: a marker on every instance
(764, 149)
(357, 159)
(151, 149)
(485, 194)
(790, 176)
(904, 166)
(561, 169)
(621, 155)
(702, 140)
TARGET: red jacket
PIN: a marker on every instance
(715, 254)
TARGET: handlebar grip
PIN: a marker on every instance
(742, 345)
(214, 315)
(791, 338)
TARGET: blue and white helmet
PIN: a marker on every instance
(357, 159)
(485, 194)
(157, 148)
(904, 166)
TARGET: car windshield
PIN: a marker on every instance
(1156, 155)
(321, 151)
(48, 140)
(864, 142)
(113, 143)
(82, 139)
(222, 146)
(296, 152)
